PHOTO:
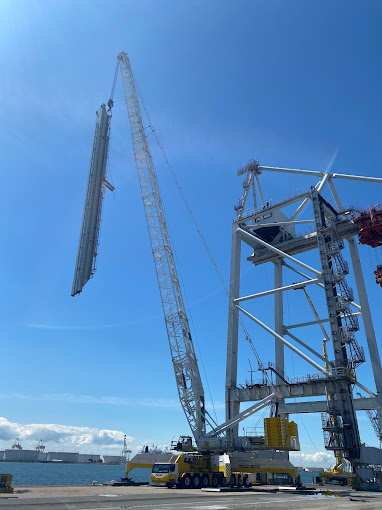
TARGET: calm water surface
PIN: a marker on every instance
(31, 473)
(25, 473)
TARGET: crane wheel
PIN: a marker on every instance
(205, 481)
(246, 482)
(239, 481)
(215, 481)
(232, 481)
(187, 481)
(196, 481)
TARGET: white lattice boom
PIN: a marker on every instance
(186, 370)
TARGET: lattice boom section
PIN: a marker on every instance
(186, 370)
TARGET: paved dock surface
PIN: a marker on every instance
(160, 498)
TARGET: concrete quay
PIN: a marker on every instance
(160, 498)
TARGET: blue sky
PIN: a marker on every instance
(288, 83)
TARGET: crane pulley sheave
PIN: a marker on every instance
(188, 380)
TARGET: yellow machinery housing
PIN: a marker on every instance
(281, 434)
(5, 483)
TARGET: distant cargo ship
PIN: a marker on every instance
(17, 454)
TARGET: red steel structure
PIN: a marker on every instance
(370, 232)
(370, 226)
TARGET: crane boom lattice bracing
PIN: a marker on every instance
(186, 369)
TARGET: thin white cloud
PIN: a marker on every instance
(103, 400)
(92, 399)
(322, 459)
(63, 437)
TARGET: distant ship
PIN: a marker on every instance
(17, 454)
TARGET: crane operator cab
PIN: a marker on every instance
(183, 444)
(164, 473)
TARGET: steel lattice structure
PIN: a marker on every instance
(271, 235)
(187, 376)
(91, 219)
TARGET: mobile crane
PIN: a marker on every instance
(217, 458)
(209, 460)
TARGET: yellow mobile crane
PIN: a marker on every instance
(210, 463)
(216, 459)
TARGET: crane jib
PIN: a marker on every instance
(187, 376)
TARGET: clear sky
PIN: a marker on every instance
(288, 83)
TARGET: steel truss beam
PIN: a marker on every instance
(285, 342)
(274, 291)
(320, 406)
(313, 386)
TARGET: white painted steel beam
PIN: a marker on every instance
(279, 318)
(303, 324)
(275, 291)
(256, 225)
(285, 342)
(353, 303)
(335, 194)
(312, 323)
(322, 183)
(289, 170)
(357, 178)
(251, 239)
(306, 346)
(243, 415)
(233, 407)
(321, 406)
(319, 186)
(260, 190)
(320, 174)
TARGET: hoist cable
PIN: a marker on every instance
(174, 251)
(202, 238)
(114, 81)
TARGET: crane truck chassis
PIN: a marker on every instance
(195, 470)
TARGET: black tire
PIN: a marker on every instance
(239, 481)
(246, 482)
(169, 485)
(342, 481)
(187, 481)
(196, 481)
(205, 482)
(232, 481)
(215, 481)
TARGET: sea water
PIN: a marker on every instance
(308, 477)
(57, 473)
